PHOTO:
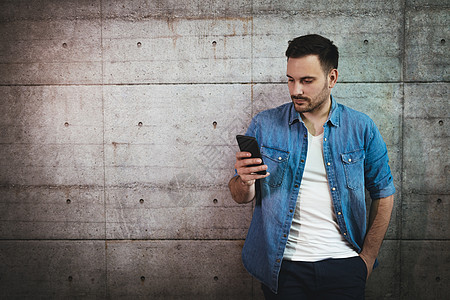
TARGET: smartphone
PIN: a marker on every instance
(250, 144)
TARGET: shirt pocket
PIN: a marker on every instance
(354, 168)
(277, 163)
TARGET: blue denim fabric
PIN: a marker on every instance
(355, 157)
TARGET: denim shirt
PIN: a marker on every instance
(355, 158)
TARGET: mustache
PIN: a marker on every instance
(299, 97)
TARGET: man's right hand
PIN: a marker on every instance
(245, 171)
(242, 187)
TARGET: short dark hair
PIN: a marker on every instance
(314, 44)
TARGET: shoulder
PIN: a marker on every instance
(357, 123)
(276, 113)
(350, 116)
(269, 119)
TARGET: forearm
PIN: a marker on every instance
(380, 215)
(241, 192)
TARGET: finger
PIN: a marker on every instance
(245, 170)
(259, 176)
(252, 177)
(243, 155)
(248, 162)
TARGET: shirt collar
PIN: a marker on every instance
(294, 116)
(333, 117)
(335, 113)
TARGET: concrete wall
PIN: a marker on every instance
(117, 124)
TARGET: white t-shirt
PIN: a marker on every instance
(314, 233)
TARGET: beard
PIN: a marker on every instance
(308, 104)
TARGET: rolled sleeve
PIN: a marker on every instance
(377, 173)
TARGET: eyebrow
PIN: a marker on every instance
(302, 78)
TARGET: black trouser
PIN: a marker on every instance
(335, 279)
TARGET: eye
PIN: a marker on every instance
(307, 81)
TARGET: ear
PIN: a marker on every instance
(332, 78)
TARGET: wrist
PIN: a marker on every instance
(368, 259)
(245, 183)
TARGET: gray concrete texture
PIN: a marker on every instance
(118, 119)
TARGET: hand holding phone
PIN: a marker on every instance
(250, 144)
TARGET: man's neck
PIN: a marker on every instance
(314, 120)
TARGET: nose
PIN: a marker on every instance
(298, 88)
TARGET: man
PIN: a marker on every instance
(309, 238)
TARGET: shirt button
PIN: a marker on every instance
(302, 160)
(278, 260)
(339, 213)
(345, 233)
(290, 210)
(334, 189)
(285, 235)
(349, 159)
(296, 186)
(328, 164)
(325, 139)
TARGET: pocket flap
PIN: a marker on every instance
(353, 157)
(275, 154)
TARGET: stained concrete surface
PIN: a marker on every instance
(117, 124)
